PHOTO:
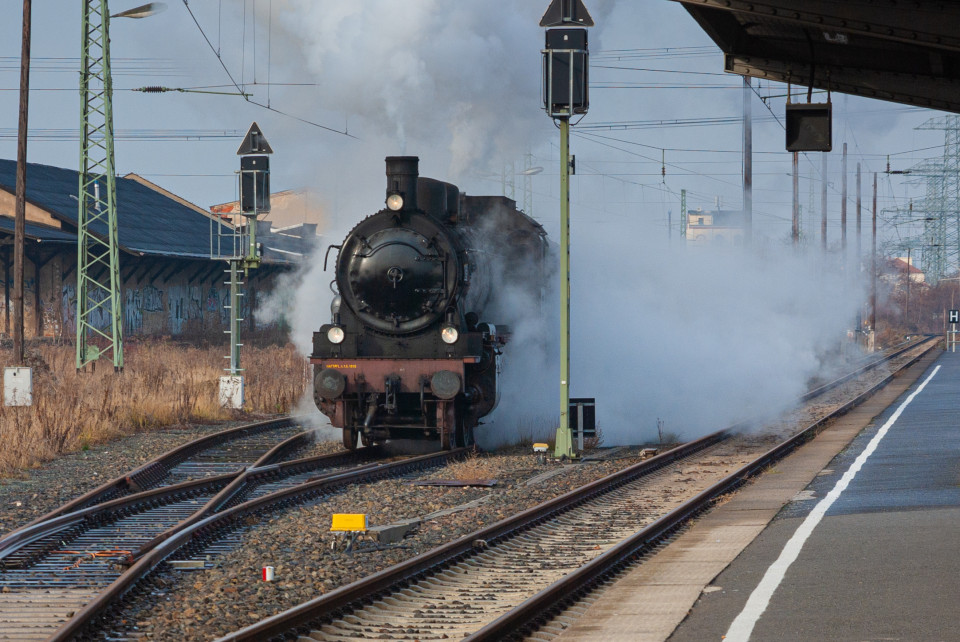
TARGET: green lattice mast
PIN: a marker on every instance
(98, 267)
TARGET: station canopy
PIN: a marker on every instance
(905, 52)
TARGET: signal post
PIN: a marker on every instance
(242, 251)
(565, 93)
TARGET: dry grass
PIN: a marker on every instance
(591, 443)
(475, 466)
(161, 385)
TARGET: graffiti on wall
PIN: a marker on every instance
(68, 298)
(136, 303)
(177, 309)
(152, 299)
(133, 311)
(186, 305)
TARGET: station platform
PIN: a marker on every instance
(855, 536)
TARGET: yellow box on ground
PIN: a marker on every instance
(348, 523)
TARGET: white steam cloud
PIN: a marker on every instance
(697, 337)
(464, 76)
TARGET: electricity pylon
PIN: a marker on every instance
(98, 264)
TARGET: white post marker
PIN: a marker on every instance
(268, 574)
(954, 318)
(17, 386)
(742, 627)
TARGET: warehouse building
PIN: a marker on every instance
(171, 282)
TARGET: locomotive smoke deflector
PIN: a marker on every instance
(402, 173)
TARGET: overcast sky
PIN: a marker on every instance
(455, 83)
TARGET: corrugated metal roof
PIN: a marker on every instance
(37, 232)
(147, 222)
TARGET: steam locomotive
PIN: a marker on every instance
(413, 349)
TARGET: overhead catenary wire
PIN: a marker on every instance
(240, 91)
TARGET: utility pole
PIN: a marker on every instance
(565, 65)
(859, 241)
(21, 190)
(843, 207)
(98, 289)
(747, 165)
(906, 307)
(796, 200)
(823, 201)
(873, 264)
(857, 264)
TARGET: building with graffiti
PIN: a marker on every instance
(171, 282)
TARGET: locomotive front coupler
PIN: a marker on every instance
(391, 387)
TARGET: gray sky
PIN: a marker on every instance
(456, 84)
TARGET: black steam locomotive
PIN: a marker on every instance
(414, 344)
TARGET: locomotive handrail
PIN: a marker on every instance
(327, 255)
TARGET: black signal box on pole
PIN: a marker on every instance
(254, 172)
(566, 72)
(254, 184)
(809, 127)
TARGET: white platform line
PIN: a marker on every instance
(742, 627)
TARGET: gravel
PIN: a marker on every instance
(310, 561)
(41, 490)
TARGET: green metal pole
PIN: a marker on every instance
(97, 298)
(564, 441)
(683, 214)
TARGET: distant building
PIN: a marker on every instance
(718, 227)
(288, 209)
(898, 269)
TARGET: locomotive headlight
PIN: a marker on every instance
(394, 202)
(449, 334)
(335, 334)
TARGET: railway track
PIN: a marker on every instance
(201, 539)
(51, 569)
(224, 451)
(471, 587)
(72, 562)
(57, 563)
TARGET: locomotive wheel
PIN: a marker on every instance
(464, 435)
(350, 438)
(366, 440)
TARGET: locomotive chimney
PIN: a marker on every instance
(402, 173)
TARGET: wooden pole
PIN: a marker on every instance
(823, 202)
(21, 189)
(795, 234)
(747, 165)
(843, 207)
(873, 262)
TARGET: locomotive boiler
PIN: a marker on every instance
(418, 322)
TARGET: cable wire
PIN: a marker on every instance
(240, 92)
